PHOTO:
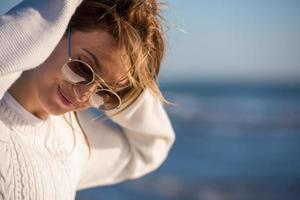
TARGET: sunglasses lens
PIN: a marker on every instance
(78, 72)
(105, 100)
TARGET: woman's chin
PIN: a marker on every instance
(56, 104)
(56, 111)
(54, 108)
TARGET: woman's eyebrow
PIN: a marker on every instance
(94, 58)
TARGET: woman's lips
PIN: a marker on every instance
(63, 98)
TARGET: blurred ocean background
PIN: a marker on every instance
(232, 68)
(233, 143)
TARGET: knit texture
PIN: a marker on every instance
(38, 162)
(24, 29)
(41, 160)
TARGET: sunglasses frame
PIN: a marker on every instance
(70, 59)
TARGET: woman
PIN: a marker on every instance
(53, 68)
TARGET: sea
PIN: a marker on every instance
(233, 142)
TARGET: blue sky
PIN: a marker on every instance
(239, 40)
(230, 40)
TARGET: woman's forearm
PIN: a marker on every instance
(30, 31)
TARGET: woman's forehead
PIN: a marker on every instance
(103, 54)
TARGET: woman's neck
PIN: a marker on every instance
(24, 92)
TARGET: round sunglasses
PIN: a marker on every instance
(79, 73)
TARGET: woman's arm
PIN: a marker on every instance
(135, 145)
(28, 34)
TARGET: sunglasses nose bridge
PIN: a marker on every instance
(84, 92)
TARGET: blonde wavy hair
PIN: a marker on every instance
(137, 27)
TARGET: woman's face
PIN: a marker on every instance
(98, 49)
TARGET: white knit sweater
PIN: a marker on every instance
(41, 159)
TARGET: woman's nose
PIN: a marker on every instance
(84, 92)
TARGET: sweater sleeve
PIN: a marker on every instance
(29, 33)
(136, 143)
